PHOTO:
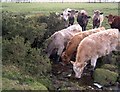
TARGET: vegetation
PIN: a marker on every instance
(105, 77)
(23, 47)
(25, 28)
(46, 8)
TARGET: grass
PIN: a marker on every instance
(46, 8)
(15, 79)
(58, 7)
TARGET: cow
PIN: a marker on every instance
(58, 41)
(69, 15)
(97, 19)
(114, 21)
(94, 46)
(82, 19)
(72, 45)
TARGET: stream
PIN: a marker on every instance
(63, 79)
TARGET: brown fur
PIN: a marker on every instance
(74, 42)
(114, 21)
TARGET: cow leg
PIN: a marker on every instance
(94, 61)
(60, 50)
(93, 64)
(84, 28)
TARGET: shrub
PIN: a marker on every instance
(53, 23)
(33, 29)
(110, 67)
(18, 53)
(27, 27)
(105, 77)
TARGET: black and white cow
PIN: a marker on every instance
(97, 19)
(69, 16)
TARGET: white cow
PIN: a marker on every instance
(58, 40)
(94, 46)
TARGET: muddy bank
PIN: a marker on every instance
(63, 79)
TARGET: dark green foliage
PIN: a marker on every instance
(20, 35)
(54, 23)
(110, 67)
(27, 27)
(31, 60)
(105, 77)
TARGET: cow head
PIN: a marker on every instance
(110, 18)
(72, 12)
(96, 21)
(82, 20)
(65, 58)
(78, 68)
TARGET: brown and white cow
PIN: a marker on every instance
(94, 46)
(97, 19)
(72, 45)
(82, 19)
(114, 21)
(59, 40)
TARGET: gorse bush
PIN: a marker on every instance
(31, 60)
(54, 23)
(23, 43)
(33, 29)
(27, 27)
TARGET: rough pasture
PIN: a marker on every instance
(33, 60)
(46, 8)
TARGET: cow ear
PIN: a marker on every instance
(94, 11)
(88, 16)
(101, 13)
(113, 17)
(68, 14)
(61, 14)
(106, 16)
(76, 11)
(72, 62)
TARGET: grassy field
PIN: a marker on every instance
(58, 7)
(46, 8)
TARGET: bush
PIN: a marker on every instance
(105, 77)
(21, 34)
(27, 27)
(33, 29)
(18, 53)
(110, 67)
(53, 24)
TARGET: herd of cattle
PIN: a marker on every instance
(87, 45)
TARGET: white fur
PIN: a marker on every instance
(59, 39)
(83, 11)
(94, 46)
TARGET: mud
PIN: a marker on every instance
(63, 79)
